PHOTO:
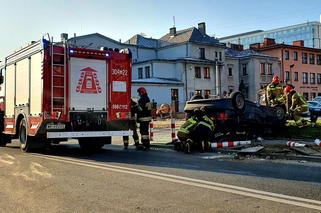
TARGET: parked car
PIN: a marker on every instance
(317, 99)
(315, 110)
(236, 115)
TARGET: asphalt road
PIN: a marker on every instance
(65, 179)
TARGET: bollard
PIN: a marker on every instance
(218, 145)
(294, 144)
(173, 129)
(317, 142)
(151, 131)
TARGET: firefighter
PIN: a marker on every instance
(144, 116)
(274, 92)
(296, 105)
(133, 124)
(197, 130)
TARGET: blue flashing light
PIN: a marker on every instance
(107, 54)
(71, 51)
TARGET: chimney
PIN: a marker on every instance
(202, 28)
(255, 46)
(172, 31)
(268, 42)
(299, 43)
(64, 36)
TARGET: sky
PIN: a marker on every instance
(24, 21)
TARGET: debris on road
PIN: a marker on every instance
(317, 142)
(250, 150)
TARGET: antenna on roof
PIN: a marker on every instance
(174, 21)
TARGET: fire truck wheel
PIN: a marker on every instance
(25, 141)
(91, 144)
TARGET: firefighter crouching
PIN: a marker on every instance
(296, 105)
(144, 116)
(274, 92)
(197, 131)
(133, 124)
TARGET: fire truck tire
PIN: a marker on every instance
(91, 144)
(24, 139)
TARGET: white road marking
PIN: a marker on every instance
(280, 198)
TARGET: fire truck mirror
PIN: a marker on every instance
(1, 78)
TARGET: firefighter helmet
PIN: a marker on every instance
(288, 88)
(141, 91)
(276, 79)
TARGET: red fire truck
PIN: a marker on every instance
(53, 92)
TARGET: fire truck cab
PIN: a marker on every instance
(52, 92)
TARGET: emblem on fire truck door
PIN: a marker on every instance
(88, 81)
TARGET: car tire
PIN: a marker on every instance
(238, 101)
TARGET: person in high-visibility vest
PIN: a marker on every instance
(296, 105)
(144, 116)
(197, 130)
(274, 92)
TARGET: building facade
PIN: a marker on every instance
(300, 65)
(309, 32)
(249, 70)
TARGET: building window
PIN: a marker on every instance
(318, 59)
(306, 95)
(319, 78)
(305, 77)
(207, 73)
(296, 76)
(216, 55)
(197, 72)
(202, 53)
(140, 73)
(262, 69)
(311, 58)
(207, 93)
(287, 76)
(269, 69)
(295, 55)
(304, 58)
(244, 70)
(312, 95)
(220, 56)
(198, 92)
(312, 78)
(147, 72)
(230, 72)
(286, 55)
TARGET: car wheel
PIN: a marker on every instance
(238, 101)
(280, 113)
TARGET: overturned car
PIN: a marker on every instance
(237, 117)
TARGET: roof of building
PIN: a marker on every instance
(276, 46)
(260, 32)
(242, 34)
(142, 41)
(158, 81)
(190, 35)
(94, 34)
(244, 53)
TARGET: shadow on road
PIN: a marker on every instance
(207, 162)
